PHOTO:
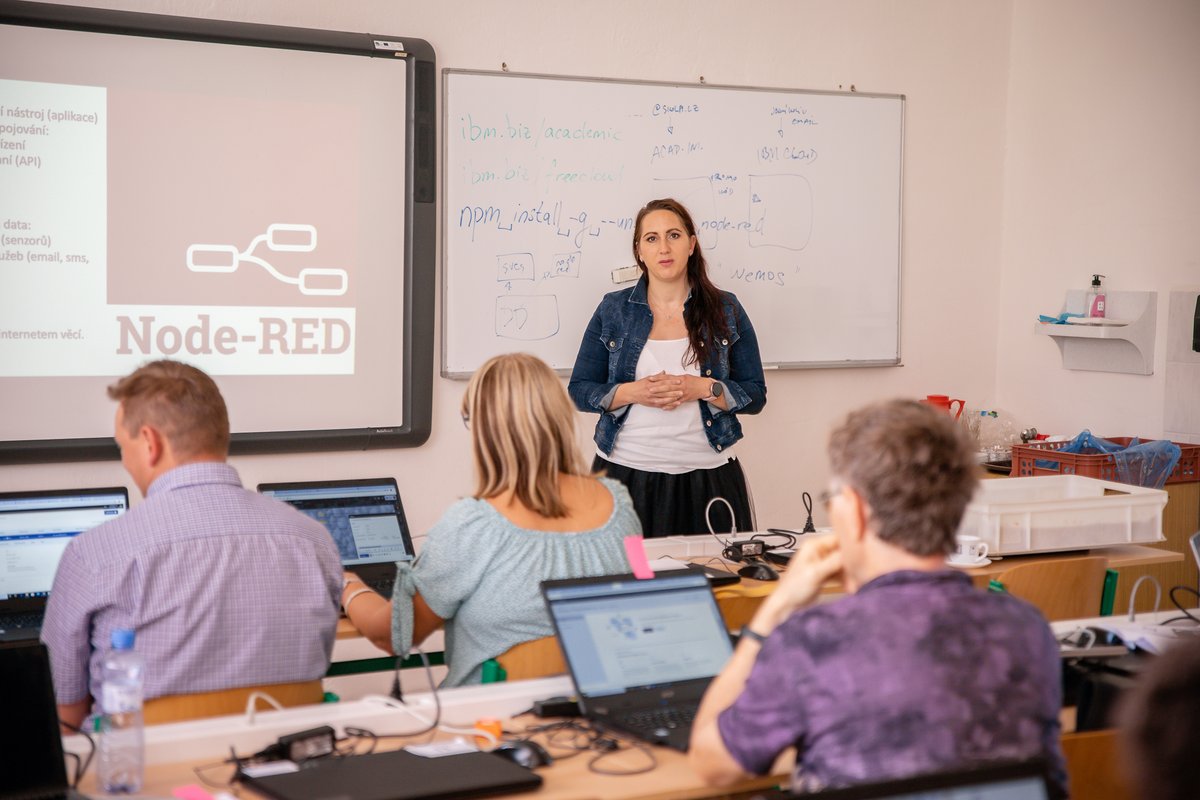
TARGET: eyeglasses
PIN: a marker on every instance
(466, 418)
(830, 493)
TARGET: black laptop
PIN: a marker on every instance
(35, 528)
(365, 519)
(1001, 781)
(640, 652)
(30, 736)
(398, 775)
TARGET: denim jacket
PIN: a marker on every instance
(613, 342)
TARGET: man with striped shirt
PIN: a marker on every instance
(222, 586)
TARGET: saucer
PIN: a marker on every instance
(983, 562)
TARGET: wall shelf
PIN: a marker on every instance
(1127, 347)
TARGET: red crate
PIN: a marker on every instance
(1094, 464)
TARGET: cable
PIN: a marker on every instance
(1133, 594)
(732, 518)
(1186, 614)
(252, 706)
(589, 736)
(431, 726)
(789, 537)
(81, 765)
(609, 743)
(397, 692)
(806, 498)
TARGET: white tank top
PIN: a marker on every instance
(655, 440)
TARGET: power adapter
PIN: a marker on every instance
(295, 747)
(557, 707)
(740, 551)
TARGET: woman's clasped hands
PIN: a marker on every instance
(666, 391)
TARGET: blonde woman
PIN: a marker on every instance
(537, 514)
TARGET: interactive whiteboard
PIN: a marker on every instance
(796, 196)
(256, 200)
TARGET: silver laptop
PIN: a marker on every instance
(365, 519)
(641, 652)
(35, 528)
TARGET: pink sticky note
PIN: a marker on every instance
(191, 791)
(635, 551)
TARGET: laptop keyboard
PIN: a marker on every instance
(383, 585)
(25, 619)
(18, 626)
(660, 718)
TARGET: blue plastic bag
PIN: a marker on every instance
(1138, 463)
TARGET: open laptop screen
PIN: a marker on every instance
(620, 633)
(29, 736)
(35, 528)
(364, 517)
(996, 781)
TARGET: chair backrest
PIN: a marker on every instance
(538, 658)
(1062, 588)
(180, 707)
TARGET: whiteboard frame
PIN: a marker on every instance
(447, 72)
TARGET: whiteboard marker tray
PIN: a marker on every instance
(1051, 513)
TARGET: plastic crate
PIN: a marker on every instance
(1026, 458)
(1062, 512)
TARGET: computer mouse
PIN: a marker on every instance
(758, 572)
(526, 753)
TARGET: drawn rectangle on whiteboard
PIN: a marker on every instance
(796, 197)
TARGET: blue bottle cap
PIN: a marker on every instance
(122, 639)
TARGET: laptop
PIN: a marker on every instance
(640, 652)
(398, 775)
(1026, 780)
(30, 735)
(365, 519)
(35, 528)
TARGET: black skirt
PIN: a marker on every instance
(673, 505)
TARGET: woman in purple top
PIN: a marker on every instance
(914, 671)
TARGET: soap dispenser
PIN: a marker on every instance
(1095, 297)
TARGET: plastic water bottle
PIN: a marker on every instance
(122, 751)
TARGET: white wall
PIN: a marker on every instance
(950, 58)
(1102, 175)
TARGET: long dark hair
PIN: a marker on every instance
(704, 317)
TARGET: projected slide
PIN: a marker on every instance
(276, 300)
(242, 208)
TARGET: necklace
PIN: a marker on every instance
(664, 310)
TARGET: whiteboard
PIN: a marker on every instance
(796, 197)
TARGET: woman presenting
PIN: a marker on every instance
(669, 364)
(537, 514)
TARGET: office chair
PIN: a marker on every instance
(180, 707)
(1062, 588)
(537, 658)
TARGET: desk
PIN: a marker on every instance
(354, 655)
(173, 750)
(1119, 557)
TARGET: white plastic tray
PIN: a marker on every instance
(1050, 513)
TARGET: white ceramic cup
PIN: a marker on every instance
(969, 549)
